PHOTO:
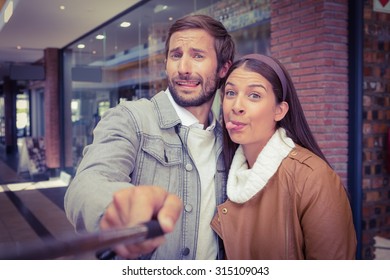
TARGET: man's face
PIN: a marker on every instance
(192, 67)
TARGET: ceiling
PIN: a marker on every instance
(39, 24)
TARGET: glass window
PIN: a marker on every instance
(22, 114)
(124, 60)
(2, 121)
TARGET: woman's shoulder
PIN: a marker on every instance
(303, 165)
(302, 156)
(309, 170)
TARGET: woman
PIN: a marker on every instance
(284, 200)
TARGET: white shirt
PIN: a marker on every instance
(201, 145)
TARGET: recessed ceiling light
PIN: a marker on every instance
(81, 46)
(100, 37)
(170, 18)
(9, 10)
(19, 47)
(159, 8)
(125, 24)
(62, 7)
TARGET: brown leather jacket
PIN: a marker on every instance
(303, 212)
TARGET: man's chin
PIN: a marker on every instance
(188, 101)
(187, 90)
(186, 94)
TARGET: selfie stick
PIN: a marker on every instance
(53, 249)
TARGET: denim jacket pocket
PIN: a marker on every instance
(159, 163)
(164, 153)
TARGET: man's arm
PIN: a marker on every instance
(104, 169)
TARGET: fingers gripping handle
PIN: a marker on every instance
(153, 229)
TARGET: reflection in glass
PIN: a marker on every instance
(22, 115)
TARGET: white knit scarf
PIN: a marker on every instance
(243, 183)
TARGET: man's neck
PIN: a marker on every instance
(202, 113)
(195, 114)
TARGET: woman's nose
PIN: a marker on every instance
(237, 107)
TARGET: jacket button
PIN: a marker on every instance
(188, 167)
(188, 208)
(294, 153)
(185, 251)
(224, 210)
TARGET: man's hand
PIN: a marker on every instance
(140, 204)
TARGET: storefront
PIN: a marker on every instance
(336, 52)
(124, 59)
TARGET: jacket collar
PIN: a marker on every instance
(186, 117)
(244, 183)
(167, 116)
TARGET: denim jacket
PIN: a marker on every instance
(142, 143)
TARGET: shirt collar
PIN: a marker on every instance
(187, 118)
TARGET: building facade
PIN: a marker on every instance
(337, 52)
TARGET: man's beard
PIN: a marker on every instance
(207, 92)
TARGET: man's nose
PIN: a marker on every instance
(184, 66)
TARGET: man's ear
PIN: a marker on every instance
(224, 69)
(281, 111)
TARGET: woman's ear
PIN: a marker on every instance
(222, 72)
(281, 110)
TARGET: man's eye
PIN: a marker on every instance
(175, 55)
(198, 56)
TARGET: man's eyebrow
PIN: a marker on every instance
(198, 50)
(194, 50)
(175, 49)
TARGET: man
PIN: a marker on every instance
(170, 147)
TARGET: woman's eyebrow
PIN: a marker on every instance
(229, 83)
(257, 85)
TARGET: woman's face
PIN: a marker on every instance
(249, 108)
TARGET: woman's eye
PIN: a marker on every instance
(229, 93)
(254, 95)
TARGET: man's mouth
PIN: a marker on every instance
(188, 83)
